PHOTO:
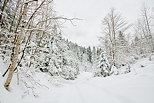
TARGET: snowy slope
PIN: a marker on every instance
(134, 87)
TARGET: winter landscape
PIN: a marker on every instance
(76, 51)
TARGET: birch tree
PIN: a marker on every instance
(17, 45)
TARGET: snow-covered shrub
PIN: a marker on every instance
(114, 70)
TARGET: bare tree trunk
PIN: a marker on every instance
(16, 50)
(14, 62)
(113, 35)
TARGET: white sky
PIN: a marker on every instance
(86, 31)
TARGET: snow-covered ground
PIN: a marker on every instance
(134, 87)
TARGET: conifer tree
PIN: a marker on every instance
(103, 66)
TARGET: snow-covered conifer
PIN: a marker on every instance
(103, 66)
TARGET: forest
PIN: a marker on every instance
(32, 44)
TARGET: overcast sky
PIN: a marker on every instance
(87, 31)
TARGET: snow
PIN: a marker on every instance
(134, 87)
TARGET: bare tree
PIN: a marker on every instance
(113, 23)
(143, 30)
(147, 27)
(17, 46)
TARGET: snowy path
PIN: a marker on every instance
(134, 87)
(127, 88)
(89, 92)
